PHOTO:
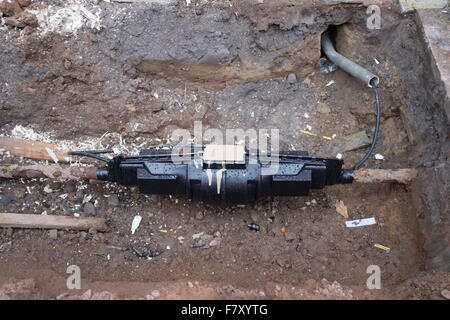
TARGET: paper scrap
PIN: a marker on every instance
(135, 223)
(360, 222)
(342, 209)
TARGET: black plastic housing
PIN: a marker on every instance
(237, 183)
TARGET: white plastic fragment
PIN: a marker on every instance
(87, 198)
(360, 222)
(306, 115)
(197, 235)
(308, 127)
(379, 156)
(135, 223)
(339, 156)
(330, 83)
(376, 61)
(52, 154)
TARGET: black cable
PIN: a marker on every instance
(377, 129)
(87, 154)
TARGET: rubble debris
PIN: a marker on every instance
(342, 209)
(203, 241)
(360, 222)
(10, 8)
(146, 253)
(326, 66)
(68, 19)
(22, 20)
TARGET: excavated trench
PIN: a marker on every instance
(145, 69)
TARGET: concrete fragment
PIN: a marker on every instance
(436, 30)
(411, 5)
(350, 143)
(53, 234)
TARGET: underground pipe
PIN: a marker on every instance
(345, 64)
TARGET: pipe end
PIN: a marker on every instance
(373, 81)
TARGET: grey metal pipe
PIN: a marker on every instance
(345, 64)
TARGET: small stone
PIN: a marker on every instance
(215, 242)
(79, 195)
(87, 295)
(24, 3)
(113, 201)
(10, 8)
(156, 293)
(69, 187)
(290, 236)
(292, 78)
(190, 284)
(199, 215)
(5, 200)
(446, 294)
(67, 64)
(323, 108)
(89, 209)
(53, 234)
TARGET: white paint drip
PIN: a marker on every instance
(219, 174)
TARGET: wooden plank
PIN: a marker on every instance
(32, 149)
(403, 176)
(38, 221)
(14, 171)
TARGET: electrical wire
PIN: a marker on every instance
(377, 129)
(89, 155)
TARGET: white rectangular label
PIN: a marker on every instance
(360, 223)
